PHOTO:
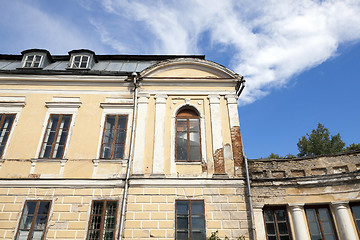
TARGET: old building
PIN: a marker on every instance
(149, 147)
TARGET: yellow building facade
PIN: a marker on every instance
(149, 147)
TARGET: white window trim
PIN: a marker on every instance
(114, 106)
(33, 61)
(59, 105)
(11, 105)
(81, 58)
(173, 162)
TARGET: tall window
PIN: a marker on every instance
(80, 61)
(6, 122)
(355, 209)
(33, 220)
(102, 220)
(190, 220)
(276, 223)
(114, 136)
(320, 222)
(55, 136)
(188, 136)
(32, 61)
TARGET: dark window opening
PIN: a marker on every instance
(188, 141)
(6, 122)
(190, 220)
(321, 223)
(355, 209)
(102, 220)
(33, 220)
(55, 137)
(114, 136)
(276, 223)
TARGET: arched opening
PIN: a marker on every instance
(188, 141)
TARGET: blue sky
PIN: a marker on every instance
(301, 58)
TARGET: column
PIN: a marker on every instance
(299, 223)
(217, 140)
(139, 146)
(236, 140)
(344, 221)
(259, 223)
(158, 160)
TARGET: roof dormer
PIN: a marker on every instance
(81, 59)
(35, 58)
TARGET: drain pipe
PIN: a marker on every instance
(128, 170)
(249, 198)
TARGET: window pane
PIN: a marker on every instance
(40, 222)
(26, 222)
(30, 207)
(324, 214)
(22, 235)
(182, 222)
(198, 235)
(197, 207)
(119, 150)
(268, 215)
(106, 151)
(280, 215)
(182, 235)
(37, 234)
(181, 139)
(182, 207)
(98, 207)
(44, 207)
(197, 222)
(270, 228)
(356, 211)
(194, 125)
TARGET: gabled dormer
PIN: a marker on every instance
(35, 58)
(81, 59)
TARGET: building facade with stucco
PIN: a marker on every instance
(149, 147)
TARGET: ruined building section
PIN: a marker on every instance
(300, 187)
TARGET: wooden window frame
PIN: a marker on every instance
(80, 62)
(188, 134)
(105, 201)
(316, 208)
(114, 135)
(34, 218)
(33, 61)
(355, 204)
(273, 208)
(56, 135)
(189, 216)
(2, 119)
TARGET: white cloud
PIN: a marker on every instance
(270, 40)
(24, 25)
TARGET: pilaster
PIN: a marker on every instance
(297, 215)
(344, 221)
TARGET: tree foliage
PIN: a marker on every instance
(353, 147)
(320, 142)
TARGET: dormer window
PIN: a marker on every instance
(80, 61)
(32, 61)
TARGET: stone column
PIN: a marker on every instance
(139, 145)
(236, 140)
(217, 140)
(344, 221)
(300, 230)
(259, 223)
(158, 159)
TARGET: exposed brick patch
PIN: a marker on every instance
(219, 163)
(237, 146)
(204, 166)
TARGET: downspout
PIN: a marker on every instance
(249, 198)
(128, 170)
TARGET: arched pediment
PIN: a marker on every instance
(187, 68)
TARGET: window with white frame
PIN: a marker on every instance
(80, 61)
(55, 137)
(32, 61)
(114, 136)
(6, 122)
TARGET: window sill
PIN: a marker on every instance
(49, 159)
(118, 160)
(189, 163)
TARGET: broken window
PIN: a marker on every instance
(276, 223)
(190, 220)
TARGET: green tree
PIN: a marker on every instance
(274, 156)
(320, 142)
(353, 147)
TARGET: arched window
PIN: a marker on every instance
(188, 136)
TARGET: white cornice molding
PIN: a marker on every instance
(109, 182)
(12, 101)
(63, 104)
